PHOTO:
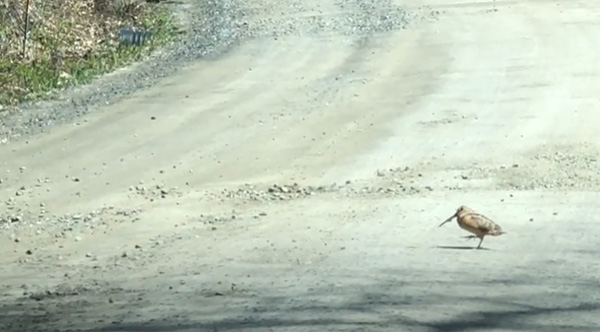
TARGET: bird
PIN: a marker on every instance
(475, 223)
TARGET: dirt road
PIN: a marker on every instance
(296, 182)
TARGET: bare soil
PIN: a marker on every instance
(296, 182)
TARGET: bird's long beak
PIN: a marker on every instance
(447, 220)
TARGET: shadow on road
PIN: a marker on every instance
(461, 248)
(513, 320)
(380, 306)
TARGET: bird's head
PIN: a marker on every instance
(460, 210)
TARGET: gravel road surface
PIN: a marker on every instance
(286, 169)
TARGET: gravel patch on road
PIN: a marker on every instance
(549, 168)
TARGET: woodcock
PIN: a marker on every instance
(475, 223)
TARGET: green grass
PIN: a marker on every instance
(41, 77)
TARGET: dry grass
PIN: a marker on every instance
(69, 42)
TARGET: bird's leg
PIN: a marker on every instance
(479, 245)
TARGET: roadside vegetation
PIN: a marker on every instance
(46, 46)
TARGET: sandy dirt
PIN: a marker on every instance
(297, 182)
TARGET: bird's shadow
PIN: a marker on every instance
(461, 248)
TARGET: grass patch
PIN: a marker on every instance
(70, 42)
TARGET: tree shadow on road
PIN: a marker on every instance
(382, 305)
(513, 320)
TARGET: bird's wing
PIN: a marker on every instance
(483, 223)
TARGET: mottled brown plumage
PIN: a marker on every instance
(475, 223)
